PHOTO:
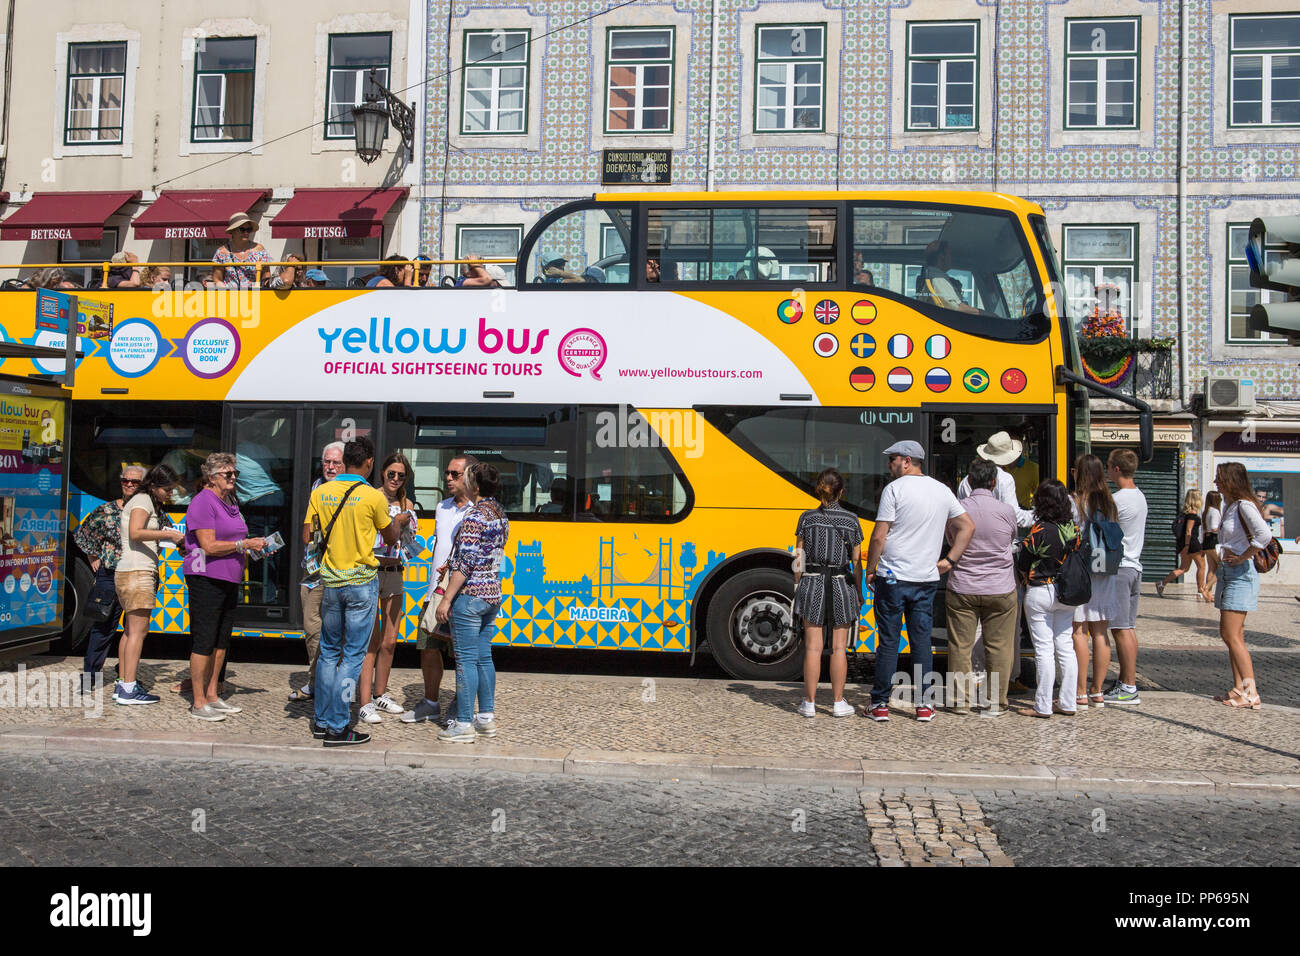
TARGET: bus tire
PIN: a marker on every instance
(750, 626)
(77, 630)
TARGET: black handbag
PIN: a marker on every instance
(101, 601)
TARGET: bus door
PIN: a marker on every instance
(957, 432)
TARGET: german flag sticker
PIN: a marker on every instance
(975, 380)
(1014, 381)
(862, 378)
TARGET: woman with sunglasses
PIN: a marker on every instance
(99, 536)
(235, 259)
(217, 544)
(144, 525)
(395, 478)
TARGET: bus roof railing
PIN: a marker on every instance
(260, 267)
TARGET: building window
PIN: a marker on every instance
(351, 57)
(490, 242)
(223, 89)
(791, 78)
(495, 93)
(1097, 256)
(1241, 297)
(1101, 73)
(366, 249)
(96, 87)
(73, 251)
(1264, 62)
(199, 252)
(942, 69)
(639, 81)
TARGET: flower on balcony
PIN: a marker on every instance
(1104, 339)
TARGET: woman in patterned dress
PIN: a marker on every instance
(235, 260)
(828, 560)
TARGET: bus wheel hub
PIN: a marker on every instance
(764, 625)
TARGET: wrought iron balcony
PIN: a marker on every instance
(1142, 368)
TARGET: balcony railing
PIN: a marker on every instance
(1142, 368)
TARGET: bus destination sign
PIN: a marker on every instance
(636, 167)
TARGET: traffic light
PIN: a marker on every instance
(1276, 270)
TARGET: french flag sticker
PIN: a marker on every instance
(900, 346)
(900, 379)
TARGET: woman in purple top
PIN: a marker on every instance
(216, 539)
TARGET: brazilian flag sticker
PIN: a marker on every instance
(975, 380)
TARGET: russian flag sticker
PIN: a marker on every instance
(938, 380)
(862, 378)
(900, 346)
(900, 379)
(826, 345)
(938, 346)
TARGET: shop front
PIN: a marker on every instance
(1272, 459)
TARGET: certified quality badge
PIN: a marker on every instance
(582, 350)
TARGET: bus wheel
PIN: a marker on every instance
(750, 626)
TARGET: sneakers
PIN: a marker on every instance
(924, 714)
(423, 711)
(485, 728)
(1117, 695)
(842, 708)
(137, 696)
(370, 713)
(318, 731)
(387, 704)
(345, 739)
(207, 712)
(806, 709)
(222, 707)
(878, 712)
(1160, 589)
(458, 733)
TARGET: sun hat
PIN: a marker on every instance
(496, 272)
(317, 275)
(239, 219)
(1001, 449)
(909, 448)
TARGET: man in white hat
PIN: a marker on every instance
(1001, 449)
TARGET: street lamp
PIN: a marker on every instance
(370, 121)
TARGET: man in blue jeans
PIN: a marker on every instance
(903, 567)
(349, 573)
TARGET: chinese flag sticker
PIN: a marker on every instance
(1014, 381)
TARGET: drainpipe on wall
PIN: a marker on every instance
(9, 72)
(417, 32)
(713, 95)
(1182, 206)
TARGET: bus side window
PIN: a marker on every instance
(582, 249)
(627, 472)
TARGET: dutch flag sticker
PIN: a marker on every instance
(900, 379)
(900, 346)
(938, 346)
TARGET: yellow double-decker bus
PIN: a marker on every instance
(659, 390)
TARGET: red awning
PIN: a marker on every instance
(195, 213)
(335, 213)
(77, 215)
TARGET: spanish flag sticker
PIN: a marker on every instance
(863, 312)
(862, 378)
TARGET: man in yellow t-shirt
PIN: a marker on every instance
(349, 574)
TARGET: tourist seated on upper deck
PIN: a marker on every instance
(53, 278)
(157, 278)
(287, 276)
(480, 276)
(553, 268)
(396, 271)
(236, 259)
(315, 279)
(124, 275)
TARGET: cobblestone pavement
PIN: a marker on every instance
(1099, 829)
(60, 809)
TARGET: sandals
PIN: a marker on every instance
(299, 694)
(1030, 712)
(1058, 709)
(1096, 700)
(1081, 700)
(1243, 697)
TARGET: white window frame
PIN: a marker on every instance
(467, 230)
(944, 61)
(201, 75)
(362, 73)
(791, 64)
(1103, 60)
(1081, 306)
(94, 111)
(1266, 55)
(639, 87)
(495, 88)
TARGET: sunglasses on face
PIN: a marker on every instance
(395, 475)
(227, 474)
(245, 229)
(453, 474)
(130, 481)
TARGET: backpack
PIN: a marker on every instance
(1106, 540)
(1074, 583)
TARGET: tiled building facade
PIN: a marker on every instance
(1075, 104)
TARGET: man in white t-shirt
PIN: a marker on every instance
(446, 520)
(903, 568)
(1131, 506)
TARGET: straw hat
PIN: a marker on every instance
(1001, 449)
(240, 219)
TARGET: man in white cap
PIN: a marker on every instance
(903, 568)
(1002, 450)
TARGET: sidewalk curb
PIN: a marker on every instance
(650, 765)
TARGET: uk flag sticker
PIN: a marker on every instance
(900, 346)
(900, 379)
(826, 345)
(938, 380)
(826, 311)
(863, 345)
(938, 346)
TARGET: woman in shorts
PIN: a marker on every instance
(144, 525)
(1243, 533)
(217, 543)
(1187, 538)
(1210, 520)
(395, 477)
